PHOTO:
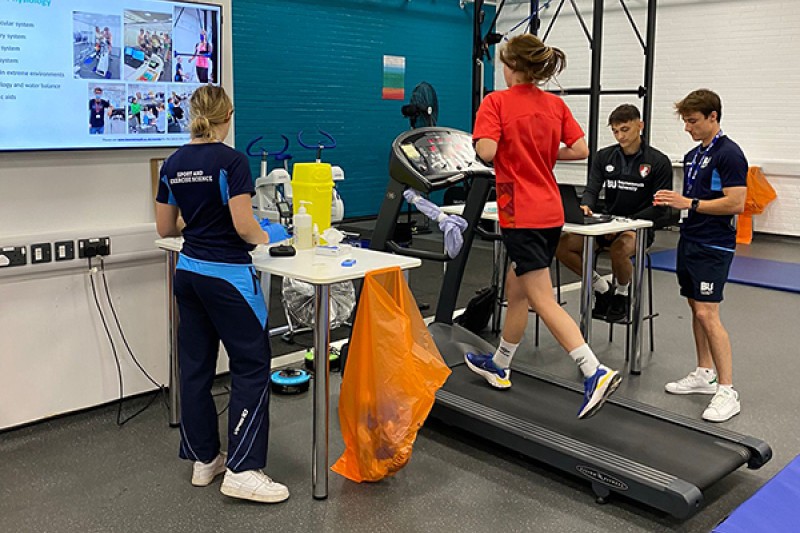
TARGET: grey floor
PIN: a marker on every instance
(82, 473)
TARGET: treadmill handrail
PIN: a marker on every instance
(453, 177)
(487, 234)
(420, 254)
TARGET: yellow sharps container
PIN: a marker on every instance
(313, 183)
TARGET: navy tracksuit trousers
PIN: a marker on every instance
(223, 302)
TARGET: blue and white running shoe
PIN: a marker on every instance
(483, 365)
(597, 389)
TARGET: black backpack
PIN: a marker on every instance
(479, 310)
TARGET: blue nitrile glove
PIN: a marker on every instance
(277, 232)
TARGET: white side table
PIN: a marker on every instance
(320, 271)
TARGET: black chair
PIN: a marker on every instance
(650, 313)
(627, 322)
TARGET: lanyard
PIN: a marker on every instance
(697, 161)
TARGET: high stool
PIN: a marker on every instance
(650, 313)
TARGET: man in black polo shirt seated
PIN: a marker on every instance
(630, 172)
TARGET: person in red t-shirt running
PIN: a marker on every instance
(522, 130)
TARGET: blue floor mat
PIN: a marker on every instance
(746, 270)
(772, 509)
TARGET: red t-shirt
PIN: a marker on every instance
(529, 126)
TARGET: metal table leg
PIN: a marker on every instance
(586, 288)
(498, 279)
(635, 331)
(174, 369)
(322, 338)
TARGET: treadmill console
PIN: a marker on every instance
(428, 159)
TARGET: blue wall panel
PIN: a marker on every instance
(317, 64)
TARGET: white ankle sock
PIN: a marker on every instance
(706, 372)
(585, 359)
(504, 354)
(599, 283)
(622, 289)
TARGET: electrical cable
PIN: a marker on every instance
(160, 386)
(120, 421)
(119, 327)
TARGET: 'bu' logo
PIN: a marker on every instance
(706, 288)
(611, 184)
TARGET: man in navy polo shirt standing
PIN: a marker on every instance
(714, 190)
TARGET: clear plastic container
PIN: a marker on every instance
(303, 228)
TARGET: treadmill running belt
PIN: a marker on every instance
(683, 452)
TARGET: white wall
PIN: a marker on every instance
(746, 51)
(53, 354)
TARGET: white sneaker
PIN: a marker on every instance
(253, 485)
(724, 405)
(694, 383)
(204, 473)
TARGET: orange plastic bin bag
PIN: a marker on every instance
(759, 194)
(393, 372)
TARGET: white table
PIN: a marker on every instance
(321, 271)
(590, 231)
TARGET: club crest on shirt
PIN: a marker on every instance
(644, 170)
(706, 161)
(609, 168)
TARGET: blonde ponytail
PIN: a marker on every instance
(201, 128)
(210, 106)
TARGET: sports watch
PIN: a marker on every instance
(695, 204)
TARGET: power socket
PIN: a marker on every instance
(65, 250)
(12, 256)
(41, 253)
(99, 246)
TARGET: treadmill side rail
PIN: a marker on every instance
(760, 452)
(603, 469)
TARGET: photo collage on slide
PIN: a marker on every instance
(143, 66)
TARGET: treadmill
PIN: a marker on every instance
(658, 458)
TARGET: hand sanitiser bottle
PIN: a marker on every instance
(302, 228)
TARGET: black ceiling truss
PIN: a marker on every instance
(481, 43)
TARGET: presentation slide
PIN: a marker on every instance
(88, 74)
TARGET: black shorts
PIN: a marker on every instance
(604, 241)
(702, 271)
(530, 249)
